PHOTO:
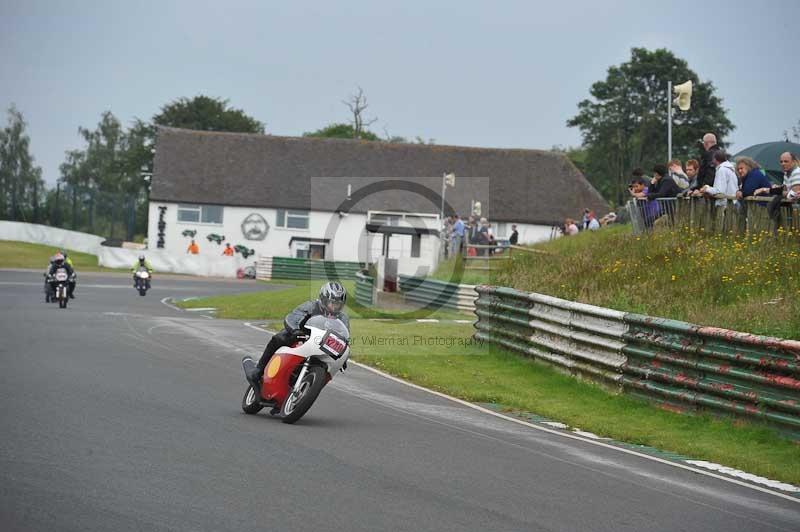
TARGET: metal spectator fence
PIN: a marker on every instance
(716, 215)
(679, 366)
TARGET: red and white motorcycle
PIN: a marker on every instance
(295, 375)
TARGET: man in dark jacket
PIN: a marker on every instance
(331, 300)
(662, 186)
(705, 176)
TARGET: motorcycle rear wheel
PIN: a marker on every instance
(298, 403)
(251, 402)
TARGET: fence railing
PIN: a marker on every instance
(677, 365)
(716, 215)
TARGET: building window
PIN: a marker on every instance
(416, 240)
(212, 214)
(207, 214)
(292, 219)
(189, 213)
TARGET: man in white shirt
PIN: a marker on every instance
(725, 180)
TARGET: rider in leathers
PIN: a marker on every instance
(59, 262)
(330, 303)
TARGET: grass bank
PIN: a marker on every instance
(443, 356)
(36, 256)
(749, 283)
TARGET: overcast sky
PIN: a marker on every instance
(495, 74)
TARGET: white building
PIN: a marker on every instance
(347, 200)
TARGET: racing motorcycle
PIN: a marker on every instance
(59, 283)
(142, 281)
(295, 375)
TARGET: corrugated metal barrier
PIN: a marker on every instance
(584, 340)
(679, 366)
(264, 268)
(289, 268)
(364, 289)
(438, 293)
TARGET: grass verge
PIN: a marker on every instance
(36, 256)
(275, 304)
(442, 356)
(748, 283)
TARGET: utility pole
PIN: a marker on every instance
(669, 120)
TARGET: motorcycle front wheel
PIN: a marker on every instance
(251, 403)
(298, 402)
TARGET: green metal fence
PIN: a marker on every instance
(677, 365)
(289, 268)
(437, 293)
(364, 289)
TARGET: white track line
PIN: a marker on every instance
(170, 305)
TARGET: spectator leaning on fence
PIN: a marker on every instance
(753, 181)
(676, 173)
(725, 181)
(638, 189)
(570, 229)
(791, 175)
(661, 184)
(692, 167)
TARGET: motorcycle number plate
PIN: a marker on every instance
(61, 276)
(333, 344)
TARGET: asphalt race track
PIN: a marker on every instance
(121, 413)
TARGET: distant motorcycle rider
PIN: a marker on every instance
(140, 263)
(59, 261)
(330, 303)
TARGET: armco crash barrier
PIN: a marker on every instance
(438, 293)
(677, 365)
(290, 268)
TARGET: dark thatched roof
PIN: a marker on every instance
(251, 170)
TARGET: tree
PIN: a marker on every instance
(206, 114)
(795, 133)
(341, 131)
(357, 103)
(625, 126)
(21, 184)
